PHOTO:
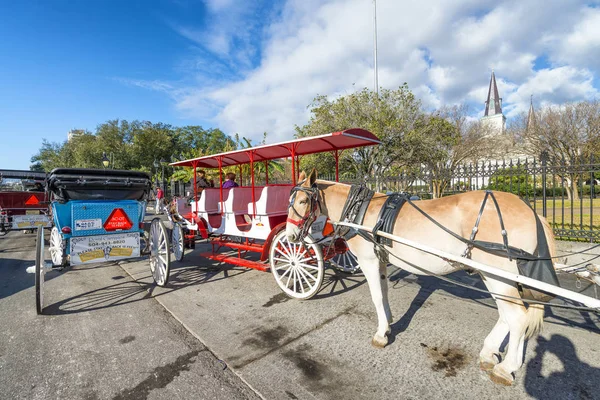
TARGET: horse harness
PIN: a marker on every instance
(537, 266)
(305, 220)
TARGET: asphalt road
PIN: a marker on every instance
(104, 337)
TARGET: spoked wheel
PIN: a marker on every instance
(57, 250)
(160, 254)
(39, 271)
(296, 267)
(177, 241)
(346, 262)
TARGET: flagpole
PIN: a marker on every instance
(375, 45)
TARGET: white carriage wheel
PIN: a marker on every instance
(177, 241)
(39, 271)
(160, 254)
(346, 262)
(57, 252)
(298, 268)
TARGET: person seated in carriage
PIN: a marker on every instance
(230, 181)
(201, 181)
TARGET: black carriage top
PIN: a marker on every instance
(98, 184)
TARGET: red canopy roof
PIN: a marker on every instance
(350, 138)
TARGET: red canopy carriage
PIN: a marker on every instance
(252, 218)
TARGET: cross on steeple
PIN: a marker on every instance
(493, 104)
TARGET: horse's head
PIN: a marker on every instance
(304, 207)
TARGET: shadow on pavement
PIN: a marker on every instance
(577, 380)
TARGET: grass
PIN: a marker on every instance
(581, 211)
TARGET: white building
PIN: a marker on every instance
(493, 117)
(74, 132)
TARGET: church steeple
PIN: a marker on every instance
(493, 105)
(531, 116)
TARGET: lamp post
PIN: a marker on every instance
(162, 164)
(105, 160)
(156, 170)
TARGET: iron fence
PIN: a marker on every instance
(562, 191)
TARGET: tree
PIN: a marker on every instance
(569, 134)
(443, 140)
(388, 115)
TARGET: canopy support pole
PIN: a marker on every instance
(220, 162)
(266, 172)
(251, 157)
(195, 165)
(293, 152)
(337, 165)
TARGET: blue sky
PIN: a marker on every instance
(254, 66)
(62, 65)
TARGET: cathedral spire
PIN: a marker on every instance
(531, 116)
(493, 104)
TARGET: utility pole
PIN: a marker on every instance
(375, 45)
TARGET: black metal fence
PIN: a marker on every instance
(564, 192)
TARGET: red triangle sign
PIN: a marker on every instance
(118, 221)
(32, 201)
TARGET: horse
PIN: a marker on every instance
(457, 213)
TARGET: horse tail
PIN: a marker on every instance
(535, 312)
(535, 320)
(549, 237)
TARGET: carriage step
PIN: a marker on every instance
(236, 261)
(240, 246)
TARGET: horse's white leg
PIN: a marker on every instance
(384, 291)
(515, 316)
(492, 343)
(371, 267)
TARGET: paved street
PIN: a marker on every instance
(104, 338)
(107, 336)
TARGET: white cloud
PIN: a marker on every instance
(444, 50)
(552, 86)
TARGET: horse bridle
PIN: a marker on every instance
(305, 221)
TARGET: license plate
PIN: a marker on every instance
(88, 224)
(30, 221)
(32, 212)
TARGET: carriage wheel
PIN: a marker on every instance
(177, 241)
(160, 254)
(346, 262)
(39, 271)
(297, 267)
(57, 251)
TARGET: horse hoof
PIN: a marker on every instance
(486, 365)
(379, 342)
(500, 377)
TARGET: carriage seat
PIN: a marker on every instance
(182, 207)
(274, 200)
(240, 200)
(209, 200)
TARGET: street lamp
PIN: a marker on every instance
(156, 170)
(162, 164)
(105, 160)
